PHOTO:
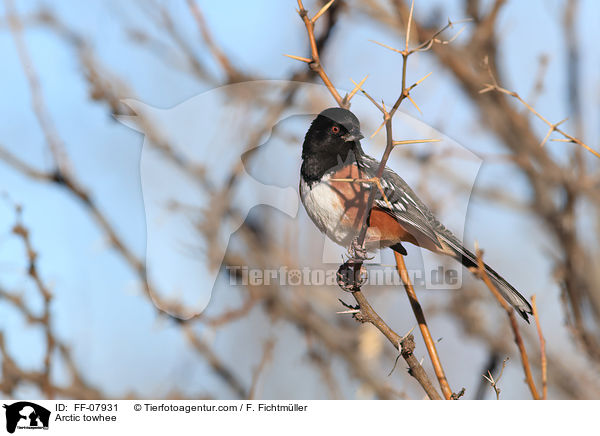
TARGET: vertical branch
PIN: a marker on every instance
(542, 349)
(315, 61)
(418, 311)
(267, 355)
(482, 273)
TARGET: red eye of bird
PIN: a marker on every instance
(335, 129)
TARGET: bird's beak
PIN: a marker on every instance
(353, 136)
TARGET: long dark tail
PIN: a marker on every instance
(510, 294)
(469, 260)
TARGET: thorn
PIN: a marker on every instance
(414, 104)
(368, 96)
(386, 46)
(560, 122)
(357, 87)
(410, 16)
(414, 141)
(321, 12)
(455, 36)
(298, 58)
(349, 311)
(408, 333)
(420, 80)
(550, 130)
(378, 129)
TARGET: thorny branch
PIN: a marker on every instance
(553, 127)
(494, 381)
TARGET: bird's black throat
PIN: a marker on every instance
(315, 164)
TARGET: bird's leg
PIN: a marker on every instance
(352, 274)
(357, 251)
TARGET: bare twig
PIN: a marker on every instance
(494, 381)
(420, 316)
(315, 63)
(267, 355)
(544, 363)
(553, 127)
(404, 345)
(482, 273)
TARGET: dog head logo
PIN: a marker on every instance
(212, 140)
(26, 415)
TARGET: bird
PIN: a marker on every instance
(332, 163)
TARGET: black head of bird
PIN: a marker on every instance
(333, 131)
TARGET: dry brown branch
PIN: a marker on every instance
(45, 320)
(315, 61)
(420, 316)
(267, 355)
(565, 376)
(231, 315)
(404, 345)
(323, 365)
(544, 362)
(481, 272)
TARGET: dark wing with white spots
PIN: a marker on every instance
(404, 205)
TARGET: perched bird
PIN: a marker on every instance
(332, 151)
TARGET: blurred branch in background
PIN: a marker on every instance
(12, 374)
(481, 272)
